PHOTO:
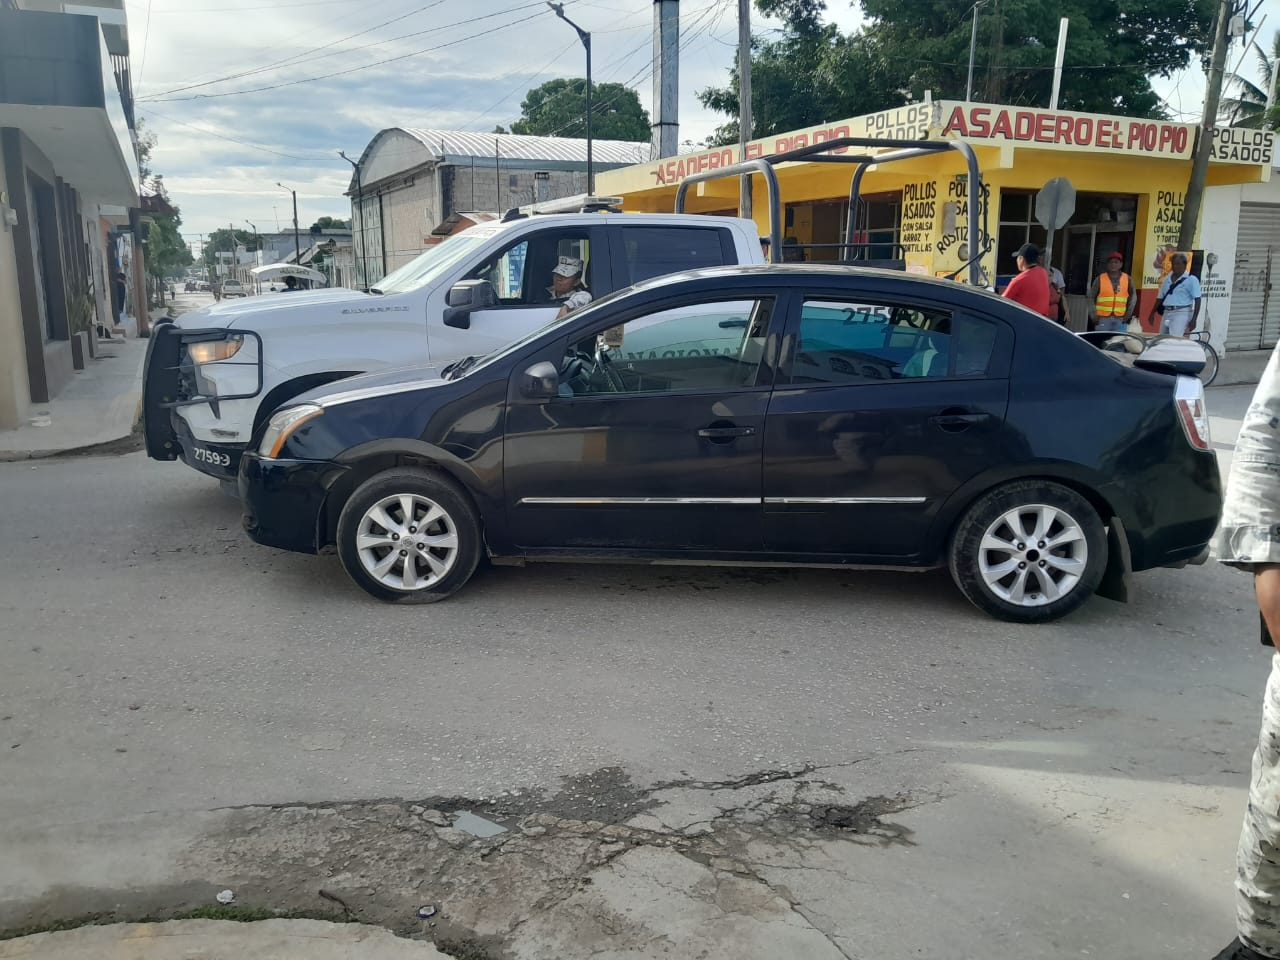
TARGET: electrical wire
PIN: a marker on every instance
(646, 71)
(300, 56)
(367, 66)
(150, 113)
(142, 60)
(525, 84)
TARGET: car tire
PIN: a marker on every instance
(1028, 552)
(382, 552)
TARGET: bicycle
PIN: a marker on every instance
(1210, 370)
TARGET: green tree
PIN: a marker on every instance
(330, 223)
(558, 108)
(220, 242)
(812, 72)
(167, 252)
(1245, 108)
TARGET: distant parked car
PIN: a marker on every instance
(800, 414)
(234, 288)
(189, 287)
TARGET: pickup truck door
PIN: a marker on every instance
(520, 273)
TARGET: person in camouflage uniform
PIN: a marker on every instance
(1249, 539)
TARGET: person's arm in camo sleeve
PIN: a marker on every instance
(1249, 536)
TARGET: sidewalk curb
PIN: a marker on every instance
(99, 448)
(221, 940)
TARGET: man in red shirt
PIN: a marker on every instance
(1031, 286)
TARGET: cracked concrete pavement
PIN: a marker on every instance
(687, 763)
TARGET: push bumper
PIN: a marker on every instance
(170, 381)
(218, 460)
(284, 500)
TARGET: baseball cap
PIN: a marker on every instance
(568, 267)
(1029, 252)
(1116, 255)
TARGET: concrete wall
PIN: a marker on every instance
(15, 389)
(409, 214)
(1219, 230)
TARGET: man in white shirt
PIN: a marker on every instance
(1179, 296)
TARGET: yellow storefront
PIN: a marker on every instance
(1130, 177)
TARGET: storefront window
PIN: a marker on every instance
(1017, 226)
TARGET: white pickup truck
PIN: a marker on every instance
(217, 373)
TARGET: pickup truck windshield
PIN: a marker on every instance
(419, 272)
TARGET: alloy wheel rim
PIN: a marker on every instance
(1033, 555)
(407, 542)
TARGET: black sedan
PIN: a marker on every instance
(778, 414)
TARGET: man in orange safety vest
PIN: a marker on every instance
(1112, 299)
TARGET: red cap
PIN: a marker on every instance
(1116, 255)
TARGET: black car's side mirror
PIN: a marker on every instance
(541, 381)
(465, 297)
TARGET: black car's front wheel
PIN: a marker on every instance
(409, 536)
(1030, 552)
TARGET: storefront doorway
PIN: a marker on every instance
(1102, 224)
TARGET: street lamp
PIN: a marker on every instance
(297, 245)
(360, 210)
(585, 37)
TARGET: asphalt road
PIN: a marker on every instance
(156, 661)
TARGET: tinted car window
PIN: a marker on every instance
(521, 274)
(706, 346)
(655, 251)
(848, 342)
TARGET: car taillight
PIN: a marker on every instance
(1188, 397)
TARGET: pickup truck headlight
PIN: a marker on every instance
(282, 425)
(207, 351)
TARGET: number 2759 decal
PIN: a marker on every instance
(213, 457)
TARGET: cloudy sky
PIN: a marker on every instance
(247, 93)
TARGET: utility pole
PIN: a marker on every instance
(585, 37)
(1204, 145)
(297, 245)
(358, 217)
(1057, 63)
(744, 102)
(973, 52)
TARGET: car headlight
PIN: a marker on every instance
(208, 351)
(282, 425)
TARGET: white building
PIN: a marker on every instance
(408, 181)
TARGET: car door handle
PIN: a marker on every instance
(954, 420)
(726, 433)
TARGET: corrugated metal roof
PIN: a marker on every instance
(470, 143)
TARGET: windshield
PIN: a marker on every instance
(422, 270)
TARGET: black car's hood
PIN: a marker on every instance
(379, 384)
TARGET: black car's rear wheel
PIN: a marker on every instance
(1029, 552)
(409, 536)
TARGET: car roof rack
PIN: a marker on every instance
(821, 153)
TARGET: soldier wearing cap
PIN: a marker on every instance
(566, 286)
(1112, 297)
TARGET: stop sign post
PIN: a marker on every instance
(1055, 203)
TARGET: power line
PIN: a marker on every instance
(299, 56)
(222, 136)
(378, 43)
(646, 71)
(511, 93)
(142, 60)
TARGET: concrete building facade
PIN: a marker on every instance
(409, 181)
(68, 190)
